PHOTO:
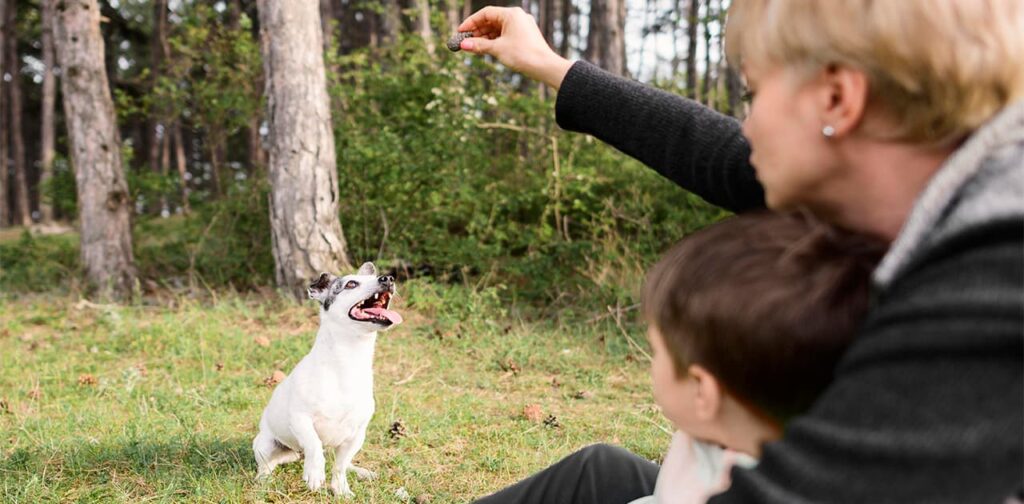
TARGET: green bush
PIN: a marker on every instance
(46, 263)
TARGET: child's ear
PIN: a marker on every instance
(708, 399)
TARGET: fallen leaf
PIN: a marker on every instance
(510, 365)
(422, 499)
(86, 379)
(219, 366)
(533, 413)
(555, 383)
(275, 378)
(262, 341)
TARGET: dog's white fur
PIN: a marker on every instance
(327, 400)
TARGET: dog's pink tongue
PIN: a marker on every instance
(393, 316)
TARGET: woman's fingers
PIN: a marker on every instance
(478, 45)
(488, 19)
(512, 36)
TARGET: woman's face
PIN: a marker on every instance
(784, 127)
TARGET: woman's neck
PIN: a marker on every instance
(878, 195)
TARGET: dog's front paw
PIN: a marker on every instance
(313, 474)
(363, 473)
(339, 485)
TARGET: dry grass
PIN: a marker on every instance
(177, 390)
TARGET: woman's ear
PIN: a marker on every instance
(844, 98)
(708, 397)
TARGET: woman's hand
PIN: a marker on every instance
(512, 36)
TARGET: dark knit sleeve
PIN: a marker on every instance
(695, 147)
(927, 404)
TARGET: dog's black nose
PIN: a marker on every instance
(386, 280)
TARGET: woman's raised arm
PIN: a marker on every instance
(699, 149)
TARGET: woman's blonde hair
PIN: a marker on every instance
(937, 69)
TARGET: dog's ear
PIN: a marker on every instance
(367, 269)
(318, 289)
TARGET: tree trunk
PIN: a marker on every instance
(546, 11)
(257, 156)
(451, 12)
(159, 51)
(103, 201)
(691, 49)
(4, 204)
(22, 211)
(182, 163)
(567, 29)
(706, 84)
(214, 147)
(48, 131)
(165, 163)
(252, 129)
(305, 228)
(327, 17)
(676, 22)
(606, 41)
(423, 25)
(390, 22)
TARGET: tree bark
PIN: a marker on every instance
(327, 16)
(182, 164)
(676, 22)
(103, 201)
(257, 156)
(4, 204)
(215, 141)
(451, 10)
(546, 10)
(423, 25)
(252, 129)
(305, 227)
(22, 210)
(567, 28)
(606, 41)
(706, 84)
(691, 49)
(159, 52)
(390, 22)
(48, 132)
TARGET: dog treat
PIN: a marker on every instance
(455, 42)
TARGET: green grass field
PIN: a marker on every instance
(159, 401)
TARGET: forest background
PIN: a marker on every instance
(519, 247)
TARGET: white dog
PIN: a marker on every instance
(327, 400)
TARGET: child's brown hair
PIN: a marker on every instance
(766, 302)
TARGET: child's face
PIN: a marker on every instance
(698, 405)
(678, 397)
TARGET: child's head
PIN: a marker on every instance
(748, 318)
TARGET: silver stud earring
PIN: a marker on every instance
(828, 131)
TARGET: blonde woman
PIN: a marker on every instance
(902, 119)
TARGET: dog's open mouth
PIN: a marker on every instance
(375, 309)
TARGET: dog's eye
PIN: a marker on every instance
(352, 284)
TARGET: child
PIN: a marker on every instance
(747, 320)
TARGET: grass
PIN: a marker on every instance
(159, 401)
